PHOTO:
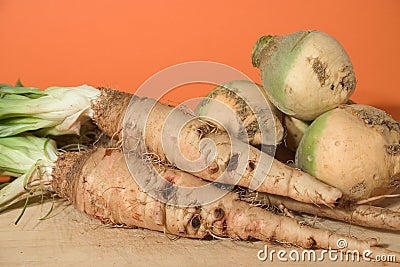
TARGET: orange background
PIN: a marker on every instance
(122, 43)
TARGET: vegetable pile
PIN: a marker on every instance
(124, 159)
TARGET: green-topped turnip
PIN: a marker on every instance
(304, 73)
(355, 148)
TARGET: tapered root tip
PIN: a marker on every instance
(258, 48)
(331, 198)
(334, 196)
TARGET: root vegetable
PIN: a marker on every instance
(174, 136)
(363, 215)
(242, 108)
(99, 184)
(304, 73)
(191, 144)
(355, 148)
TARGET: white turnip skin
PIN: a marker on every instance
(242, 108)
(304, 73)
(355, 148)
(99, 183)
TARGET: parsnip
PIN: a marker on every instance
(99, 184)
(171, 135)
(183, 140)
(363, 215)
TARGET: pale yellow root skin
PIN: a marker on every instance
(190, 144)
(99, 184)
(243, 103)
(363, 215)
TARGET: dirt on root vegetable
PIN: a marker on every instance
(242, 108)
(99, 183)
(181, 139)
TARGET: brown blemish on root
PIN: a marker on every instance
(310, 243)
(252, 129)
(213, 168)
(395, 183)
(166, 191)
(241, 108)
(348, 81)
(358, 188)
(233, 163)
(320, 70)
(196, 221)
(376, 118)
(252, 164)
(393, 149)
(107, 153)
(219, 213)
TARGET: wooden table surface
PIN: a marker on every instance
(70, 238)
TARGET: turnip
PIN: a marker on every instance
(304, 73)
(242, 108)
(355, 148)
